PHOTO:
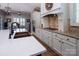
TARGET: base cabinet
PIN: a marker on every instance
(64, 47)
(50, 42)
(68, 49)
(62, 44)
(77, 47)
(57, 45)
(45, 36)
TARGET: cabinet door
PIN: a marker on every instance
(37, 32)
(40, 33)
(36, 19)
(50, 40)
(57, 45)
(46, 37)
(68, 49)
(77, 47)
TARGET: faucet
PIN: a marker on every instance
(12, 28)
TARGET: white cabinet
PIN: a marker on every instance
(68, 49)
(78, 47)
(42, 34)
(50, 39)
(36, 19)
(38, 33)
(64, 45)
(66, 38)
(57, 44)
(50, 42)
(45, 39)
(45, 36)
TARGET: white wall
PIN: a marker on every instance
(77, 14)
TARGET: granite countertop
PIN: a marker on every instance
(73, 34)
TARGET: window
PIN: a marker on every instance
(77, 21)
(20, 20)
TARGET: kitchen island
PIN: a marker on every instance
(27, 46)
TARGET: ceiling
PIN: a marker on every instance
(26, 7)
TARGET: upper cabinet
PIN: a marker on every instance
(36, 20)
(50, 8)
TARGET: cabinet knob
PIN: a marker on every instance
(62, 42)
(55, 35)
(67, 39)
(59, 41)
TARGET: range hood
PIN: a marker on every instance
(52, 15)
(52, 12)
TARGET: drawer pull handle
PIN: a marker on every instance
(59, 41)
(55, 35)
(67, 39)
(62, 42)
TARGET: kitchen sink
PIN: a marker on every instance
(21, 34)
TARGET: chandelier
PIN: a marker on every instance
(8, 9)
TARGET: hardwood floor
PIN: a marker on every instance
(49, 52)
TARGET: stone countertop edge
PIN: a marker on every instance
(69, 34)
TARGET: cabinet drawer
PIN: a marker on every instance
(61, 36)
(67, 38)
(68, 49)
(72, 40)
